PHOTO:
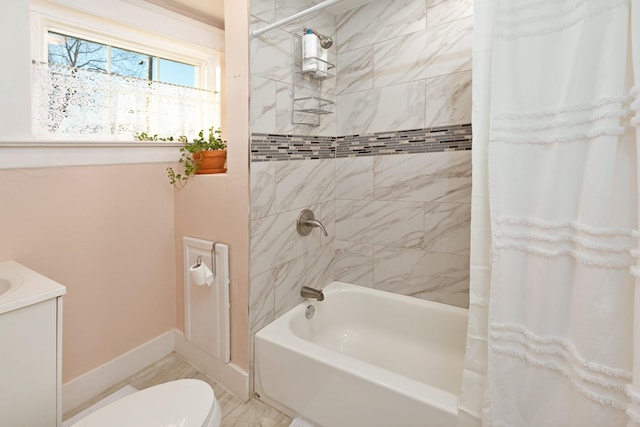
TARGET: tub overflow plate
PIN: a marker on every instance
(310, 311)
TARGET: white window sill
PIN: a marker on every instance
(54, 154)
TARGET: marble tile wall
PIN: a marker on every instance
(403, 65)
(403, 224)
(400, 222)
(273, 84)
(399, 65)
(282, 261)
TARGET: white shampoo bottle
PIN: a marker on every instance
(310, 45)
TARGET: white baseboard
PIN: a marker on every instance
(82, 388)
(230, 376)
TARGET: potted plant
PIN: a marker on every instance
(205, 154)
(209, 153)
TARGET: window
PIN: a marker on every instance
(77, 53)
(91, 85)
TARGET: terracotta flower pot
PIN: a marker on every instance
(212, 161)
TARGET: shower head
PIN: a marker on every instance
(325, 41)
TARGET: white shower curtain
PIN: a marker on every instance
(554, 216)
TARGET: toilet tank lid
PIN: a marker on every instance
(180, 403)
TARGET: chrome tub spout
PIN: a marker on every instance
(307, 292)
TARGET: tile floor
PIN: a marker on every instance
(172, 367)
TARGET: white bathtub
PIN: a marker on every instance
(366, 358)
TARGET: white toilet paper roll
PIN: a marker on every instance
(201, 275)
(208, 276)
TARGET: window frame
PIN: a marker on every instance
(116, 24)
(45, 20)
(152, 73)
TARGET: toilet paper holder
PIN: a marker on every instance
(213, 259)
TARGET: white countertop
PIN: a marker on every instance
(28, 287)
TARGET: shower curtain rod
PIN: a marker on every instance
(319, 6)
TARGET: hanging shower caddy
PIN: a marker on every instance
(308, 73)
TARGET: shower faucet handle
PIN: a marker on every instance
(306, 222)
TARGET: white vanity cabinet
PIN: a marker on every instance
(30, 349)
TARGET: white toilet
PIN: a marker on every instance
(180, 403)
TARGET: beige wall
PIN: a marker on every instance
(237, 129)
(112, 234)
(109, 234)
(213, 208)
(216, 207)
(106, 233)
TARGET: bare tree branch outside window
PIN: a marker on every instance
(88, 77)
(78, 53)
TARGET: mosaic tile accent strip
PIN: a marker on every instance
(447, 138)
(271, 147)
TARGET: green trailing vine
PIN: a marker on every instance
(210, 141)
